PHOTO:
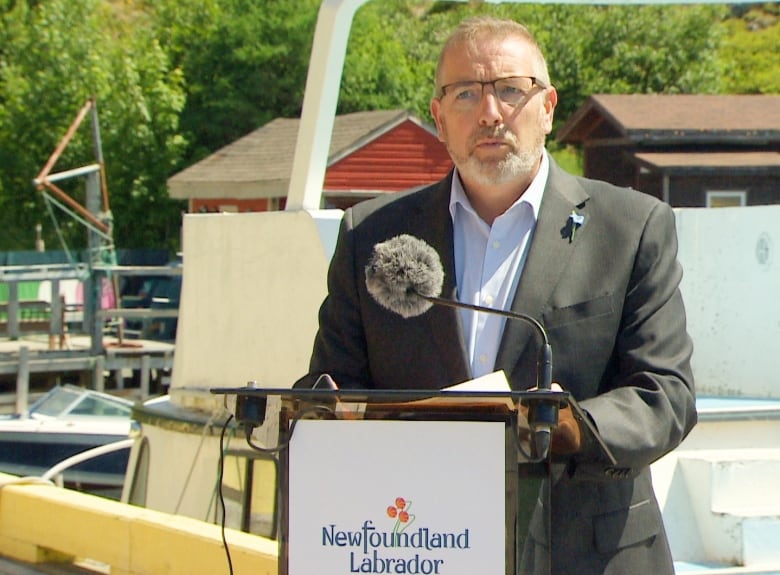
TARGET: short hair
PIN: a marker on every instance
(469, 30)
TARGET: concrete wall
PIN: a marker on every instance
(253, 284)
(731, 287)
(252, 287)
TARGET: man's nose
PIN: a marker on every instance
(490, 113)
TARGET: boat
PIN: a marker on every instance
(63, 425)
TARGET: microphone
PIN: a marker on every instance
(405, 275)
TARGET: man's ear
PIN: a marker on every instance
(550, 101)
(435, 112)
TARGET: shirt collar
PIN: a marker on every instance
(532, 195)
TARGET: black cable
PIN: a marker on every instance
(221, 495)
(527, 457)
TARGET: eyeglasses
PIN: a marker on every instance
(511, 90)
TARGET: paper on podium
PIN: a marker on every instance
(466, 394)
(497, 382)
(492, 384)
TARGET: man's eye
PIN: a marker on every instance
(509, 92)
(465, 94)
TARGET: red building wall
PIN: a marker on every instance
(405, 157)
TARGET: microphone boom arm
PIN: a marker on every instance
(501, 312)
(542, 414)
(544, 377)
(405, 276)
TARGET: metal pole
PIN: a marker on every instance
(98, 382)
(13, 310)
(65, 141)
(99, 155)
(57, 320)
(23, 382)
(145, 375)
(94, 294)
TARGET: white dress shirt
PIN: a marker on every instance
(488, 264)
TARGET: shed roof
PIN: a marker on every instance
(675, 117)
(679, 162)
(259, 165)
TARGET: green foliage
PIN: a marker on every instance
(176, 80)
(143, 145)
(654, 49)
(751, 52)
(569, 159)
(56, 56)
(378, 72)
(590, 49)
(392, 54)
(650, 49)
(244, 62)
(46, 75)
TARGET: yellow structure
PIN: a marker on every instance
(42, 523)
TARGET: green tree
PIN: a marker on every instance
(590, 49)
(56, 54)
(244, 61)
(379, 72)
(751, 52)
(392, 54)
(177, 79)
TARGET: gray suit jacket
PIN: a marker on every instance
(607, 294)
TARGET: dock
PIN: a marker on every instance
(51, 335)
(135, 367)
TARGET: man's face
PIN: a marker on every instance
(492, 137)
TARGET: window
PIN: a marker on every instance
(723, 199)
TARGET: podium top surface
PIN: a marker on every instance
(426, 399)
(393, 395)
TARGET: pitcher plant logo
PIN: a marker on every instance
(400, 512)
(418, 551)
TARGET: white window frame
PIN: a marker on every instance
(714, 195)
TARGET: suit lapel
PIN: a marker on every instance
(548, 256)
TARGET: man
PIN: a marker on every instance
(596, 264)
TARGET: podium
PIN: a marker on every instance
(396, 481)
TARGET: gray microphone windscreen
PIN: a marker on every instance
(401, 270)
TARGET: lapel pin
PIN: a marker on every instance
(575, 222)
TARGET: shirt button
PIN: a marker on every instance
(496, 244)
(489, 300)
(483, 358)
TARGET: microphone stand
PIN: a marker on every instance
(542, 414)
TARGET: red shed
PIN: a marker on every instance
(370, 153)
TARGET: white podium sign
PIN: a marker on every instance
(388, 496)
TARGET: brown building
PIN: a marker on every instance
(689, 150)
(371, 153)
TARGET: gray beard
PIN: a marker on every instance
(515, 164)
